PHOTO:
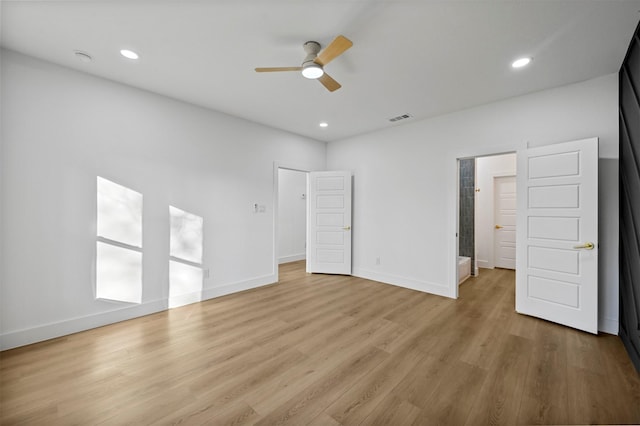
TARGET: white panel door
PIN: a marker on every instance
(504, 194)
(557, 252)
(329, 223)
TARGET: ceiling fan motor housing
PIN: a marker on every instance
(311, 48)
(311, 69)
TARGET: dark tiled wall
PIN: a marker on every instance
(629, 255)
(466, 241)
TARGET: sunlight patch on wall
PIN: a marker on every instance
(119, 243)
(185, 284)
(118, 273)
(119, 213)
(185, 254)
(186, 235)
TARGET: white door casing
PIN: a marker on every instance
(557, 233)
(504, 231)
(329, 223)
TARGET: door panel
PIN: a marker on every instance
(554, 165)
(554, 291)
(553, 197)
(559, 228)
(557, 254)
(552, 259)
(329, 224)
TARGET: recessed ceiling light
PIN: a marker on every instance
(82, 56)
(129, 54)
(324, 124)
(522, 62)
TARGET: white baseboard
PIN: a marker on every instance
(40, 333)
(62, 328)
(484, 264)
(410, 283)
(292, 258)
(212, 293)
(608, 325)
(238, 286)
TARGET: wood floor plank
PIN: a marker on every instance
(617, 367)
(453, 397)
(307, 405)
(236, 414)
(499, 398)
(393, 411)
(323, 419)
(326, 350)
(484, 346)
(320, 363)
(545, 397)
(424, 327)
(587, 404)
(218, 396)
(360, 400)
(418, 306)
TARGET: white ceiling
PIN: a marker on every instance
(419, 57)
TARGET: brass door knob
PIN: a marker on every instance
(587, 246)
(499, 226)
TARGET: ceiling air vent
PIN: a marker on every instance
(400, 117)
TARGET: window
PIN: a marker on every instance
(119, 243)
(185, 257)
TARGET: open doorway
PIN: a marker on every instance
(556, 216)
(486, 214)
(292, 215)
(324, 242)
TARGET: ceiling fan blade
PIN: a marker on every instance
(333, 50)
(329, 82)
(277, 69)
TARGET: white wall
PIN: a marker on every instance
(292, 215)
(486, 169)
(61, 129)
(405, 182)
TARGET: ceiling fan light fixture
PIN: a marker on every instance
(312, 70)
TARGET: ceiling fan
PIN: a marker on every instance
(313, 65)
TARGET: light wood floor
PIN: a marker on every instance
(326, 350)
